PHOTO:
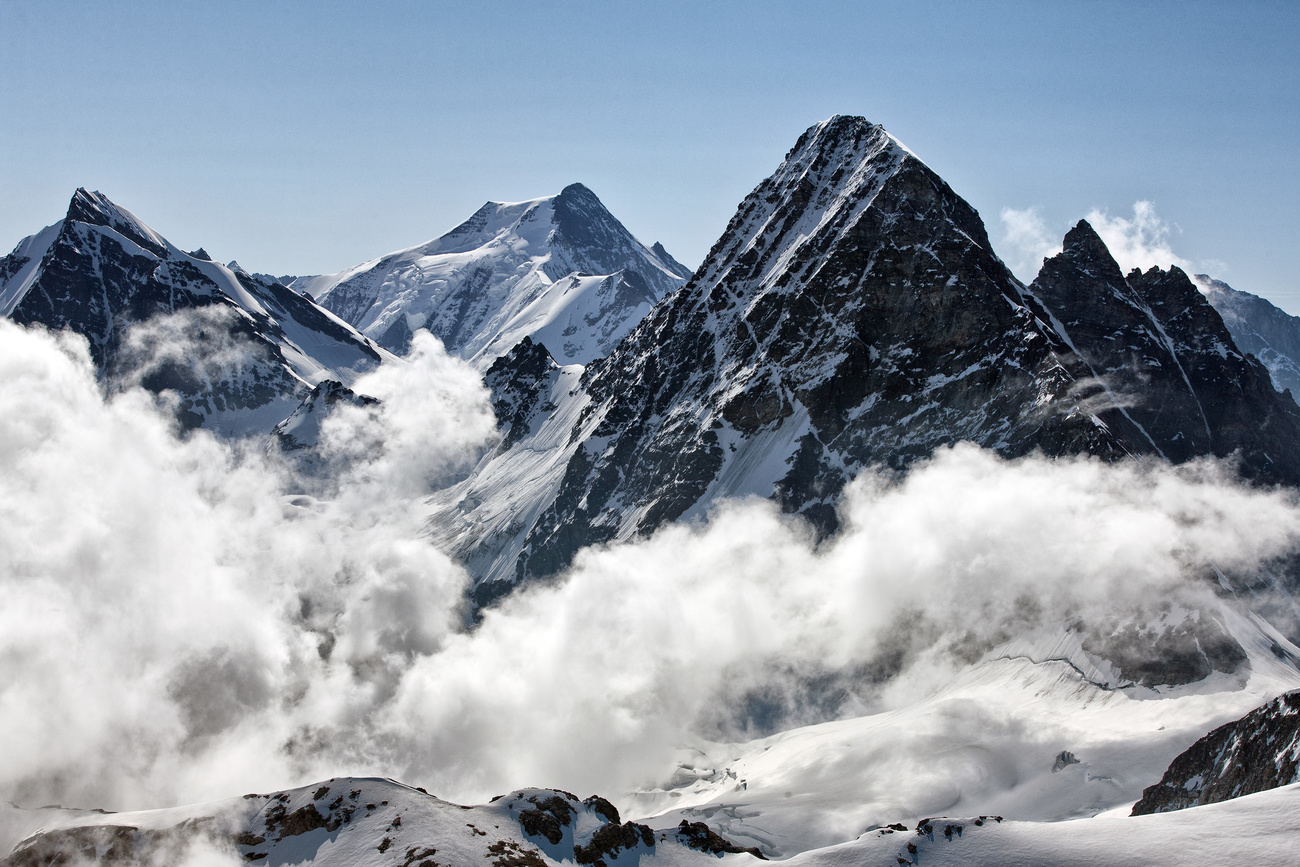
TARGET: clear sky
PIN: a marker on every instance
(306, 137)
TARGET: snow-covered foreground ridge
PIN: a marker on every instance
(366, 822)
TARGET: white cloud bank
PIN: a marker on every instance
(178, 625)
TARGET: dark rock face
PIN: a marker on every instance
(1270, 334)
(104, 273)
(853, 313)
(1256, 753)
(1161, 368)
(612, 840)
(593, 241)
(519, 382)
(1233, 392)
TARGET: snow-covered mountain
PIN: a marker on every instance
(239, 351)
(1259, 327)
(561, 270)
(854, 313)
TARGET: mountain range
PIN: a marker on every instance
(854, 314)
(852, 318)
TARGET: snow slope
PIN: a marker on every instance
(560, 269)
(986, 742)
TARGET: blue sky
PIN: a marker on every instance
(308, 137)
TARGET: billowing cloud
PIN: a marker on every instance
(1026, 242)
(1141, 241)
(180, 622)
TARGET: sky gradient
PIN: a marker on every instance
(308, 137)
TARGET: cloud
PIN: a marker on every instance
(1027, 239)
(1140, 242)
(181, 623)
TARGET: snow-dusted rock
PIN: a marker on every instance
(240, 352)
(1258, 752)
(1259, 327)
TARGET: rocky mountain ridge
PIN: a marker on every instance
(1259, 327)
(854, 314)
(239, 352)
(1258, 752)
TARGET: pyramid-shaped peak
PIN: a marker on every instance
(96, 209)
(840, 133)
(1083, 240)
(577, 200)
(93, 208)
(580, 192)
(1082, 252)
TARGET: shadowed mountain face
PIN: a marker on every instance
(240, 352)
(1154, 349)
(853, 314)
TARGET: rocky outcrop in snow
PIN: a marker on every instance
(1258, 752)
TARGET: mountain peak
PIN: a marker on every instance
(93, 208)
(836, 132)
(583, 220)
(1083, 239)
(578, 191)
(96, 209)
(1083, 252)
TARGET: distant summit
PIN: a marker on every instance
(561, 270)
(101, 272)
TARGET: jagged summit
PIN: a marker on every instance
(561, 268)
(853, 314)
(96, 209)
(1082, 244)
(102, 272)
(1160, 367)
